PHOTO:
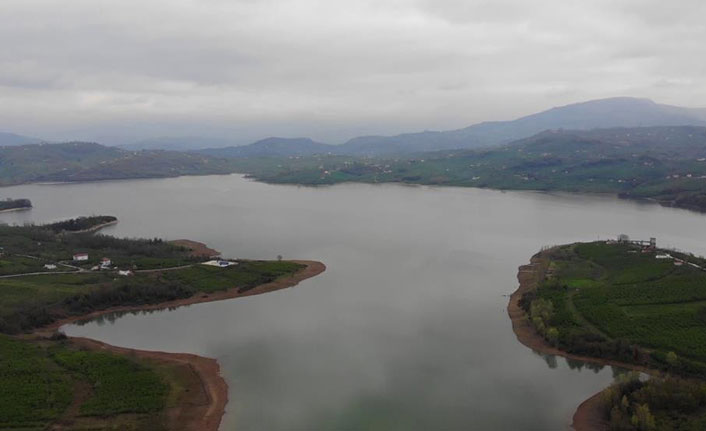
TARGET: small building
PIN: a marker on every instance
(79, 257)
(125, 273)
(105, 262)
(623, 238)
(49, 266)
(221, 263)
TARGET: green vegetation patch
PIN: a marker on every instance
(81, 223)
(670, 404)
(33, 389)
(618, 301)
(119, 384)
(244, 276)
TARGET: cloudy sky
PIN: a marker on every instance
(331, 69)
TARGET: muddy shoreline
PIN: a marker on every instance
(206, 416)
(588, 416)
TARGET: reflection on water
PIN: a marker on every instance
(112, 316)
(578, 365)
(406, 330)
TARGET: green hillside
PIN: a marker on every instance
(82, 161)
(624, 302)
(666, 164)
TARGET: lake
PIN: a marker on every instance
(406, 330)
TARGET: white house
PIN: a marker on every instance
(221, 263)
(105, 262)
(80, 257)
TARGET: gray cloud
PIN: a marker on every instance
(331, 69)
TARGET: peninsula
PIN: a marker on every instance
(49, 278)
(624, 303)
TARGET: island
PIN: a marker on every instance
(49, 278)
(15, 205)
(625, 303)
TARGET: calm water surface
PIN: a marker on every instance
(406, 330)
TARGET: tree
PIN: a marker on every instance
(553, 335)
(672, 359)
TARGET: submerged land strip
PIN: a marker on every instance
(86, 384)
(626, 304)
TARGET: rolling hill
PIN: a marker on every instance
(274, 147)
(85, 161)
(665, 164)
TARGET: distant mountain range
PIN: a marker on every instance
(178, 143)
(11, 139)
(275, 147)
(603, 113)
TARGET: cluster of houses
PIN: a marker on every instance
(105, 264)
(647, 246)
(651, 247)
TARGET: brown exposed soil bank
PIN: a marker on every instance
(588, 416)
(206, 414)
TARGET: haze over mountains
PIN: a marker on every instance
(603, 113)
(274, 147)
(11, 139)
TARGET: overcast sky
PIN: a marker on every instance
(331, 69)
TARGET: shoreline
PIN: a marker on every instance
(253, 177)
(196, 249)
(587, 416)
(95, 228)
(9, 210)
(199, 417)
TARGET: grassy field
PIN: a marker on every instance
(29, 300)
(615, 301)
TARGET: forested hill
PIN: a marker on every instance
(84, 161)
(667, 164)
